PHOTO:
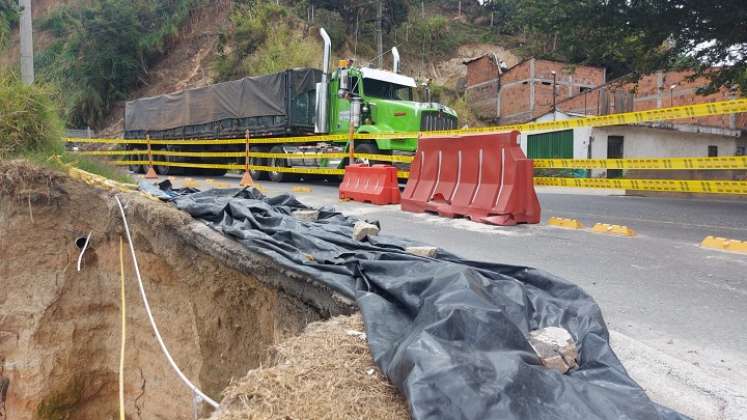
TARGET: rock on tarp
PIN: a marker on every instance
(450, 333)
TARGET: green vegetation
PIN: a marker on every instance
(8, 19)
(638, 37)
(265, 39)
(104, 49)
(29, 122)
(31, 128)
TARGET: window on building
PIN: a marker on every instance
(583, 89)
(712, 151)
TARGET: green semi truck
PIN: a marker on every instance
(293, 103)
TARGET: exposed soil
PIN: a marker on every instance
(59, 328)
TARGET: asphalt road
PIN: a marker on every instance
(659, 287)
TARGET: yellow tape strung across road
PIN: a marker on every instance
(706, 163)
(671, 185)
(300, 170)
(331, 155)
(663, 114)
(674, 113)
(259, 140)
(727, 162)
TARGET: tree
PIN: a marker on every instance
(641, 36)
(8, 19)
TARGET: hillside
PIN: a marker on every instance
(99, 53)
(207, 42)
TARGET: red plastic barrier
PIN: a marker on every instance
(375, 184)
(485, 177)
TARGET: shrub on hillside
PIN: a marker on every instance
(8, 19)
(103, 49)
(265, 38)
(29, 122)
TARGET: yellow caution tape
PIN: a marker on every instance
(331, 155)
(670, 185)
(259, 140)
(674, 113)
(728, 162)
(663, 114)
(385, 158)
(298, 170)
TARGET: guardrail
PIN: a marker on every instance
(669, 185)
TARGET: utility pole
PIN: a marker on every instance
(380, 33)
(27, 43)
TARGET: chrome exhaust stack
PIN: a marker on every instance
(321, 125)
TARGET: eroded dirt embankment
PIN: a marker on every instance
(219, 308)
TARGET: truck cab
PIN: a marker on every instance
(382, 102)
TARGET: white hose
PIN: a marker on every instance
(178, 371)
(83, 251)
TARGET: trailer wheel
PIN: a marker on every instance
(136, 169)
(169, 170)
(280, 163)
(259, 175)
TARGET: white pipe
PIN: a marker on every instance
(83, 251)
(178, 371)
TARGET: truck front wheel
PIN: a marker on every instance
(368, 148)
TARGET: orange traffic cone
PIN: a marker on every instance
(151, 174)
(246, 180)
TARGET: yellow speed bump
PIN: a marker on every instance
(724, 244)
(301, 189)
(565, 223)
(608, 229)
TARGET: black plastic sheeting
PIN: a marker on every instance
(450, 333)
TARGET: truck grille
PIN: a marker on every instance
(434, 120)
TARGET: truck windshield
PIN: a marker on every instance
(386, 90)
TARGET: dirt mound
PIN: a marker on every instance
(325, 373)
(219, 310)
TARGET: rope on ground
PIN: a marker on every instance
(124, 331)
(165, 350)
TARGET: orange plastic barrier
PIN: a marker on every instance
(375, 184)
(486, 178)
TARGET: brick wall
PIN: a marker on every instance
(527, 88)
(657, 90)
(481, 70)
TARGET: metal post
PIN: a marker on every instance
(246, 179)
(27, 43)
(151, 173)
(554, 83)
(246, 155)
(351, 139)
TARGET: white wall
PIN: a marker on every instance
(640, 142)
